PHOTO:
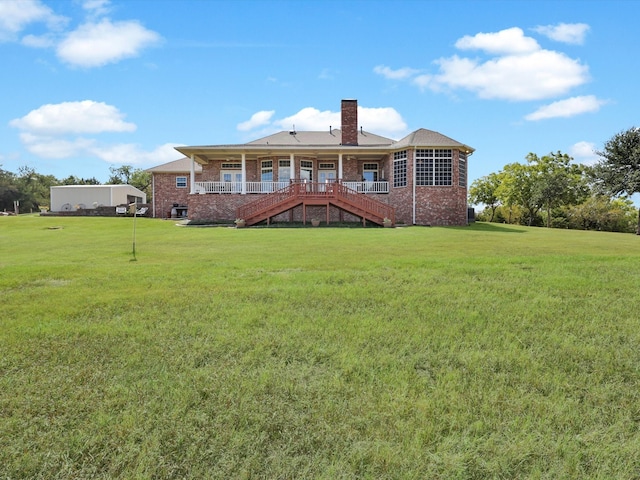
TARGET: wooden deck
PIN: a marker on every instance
(316, 194)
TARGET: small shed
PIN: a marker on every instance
(73, 197)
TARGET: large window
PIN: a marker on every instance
(433, 167)
(266, 171)
(284, 170)
(462, 169)
(400, 169)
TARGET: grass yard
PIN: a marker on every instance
(412, 353)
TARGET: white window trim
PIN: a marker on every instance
(180, 184)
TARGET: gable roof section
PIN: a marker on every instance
(182, 165)
(428, 138)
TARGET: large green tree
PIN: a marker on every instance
(542, 184)
(34, 188)
(557, 182)
(519, 188)
(485, 191)
(618, 171)
(9, 190)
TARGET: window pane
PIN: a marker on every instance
(400, 169)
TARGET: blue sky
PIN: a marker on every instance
(90, 84)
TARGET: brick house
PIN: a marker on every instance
(345, 174)
(170, 187)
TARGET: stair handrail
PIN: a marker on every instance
(249, 209)
(366, 203)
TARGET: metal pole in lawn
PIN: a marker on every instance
(134, 210)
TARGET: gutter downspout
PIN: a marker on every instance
(413, 179)
(153, 193)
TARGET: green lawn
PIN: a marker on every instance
(487, 351)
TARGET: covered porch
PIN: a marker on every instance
(253, 169)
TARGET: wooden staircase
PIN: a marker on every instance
(310, 193)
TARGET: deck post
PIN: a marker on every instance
(244, 173)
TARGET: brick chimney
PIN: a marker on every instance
(349, 122)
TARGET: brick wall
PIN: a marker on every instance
(446, 205)
(442, 205)
(165, 193)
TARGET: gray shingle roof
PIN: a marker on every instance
(181, 165)
(328, 142)
(320, 139)
(428, 138)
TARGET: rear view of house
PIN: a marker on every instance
(340, 174)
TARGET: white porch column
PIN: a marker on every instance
(292, 167)
(192, 181)
(244, 173)
(340, 166)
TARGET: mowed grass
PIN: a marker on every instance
(455, 353)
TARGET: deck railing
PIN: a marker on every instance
(271, 187)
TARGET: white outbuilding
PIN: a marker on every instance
(68, 198)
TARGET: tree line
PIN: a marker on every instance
(31, 189)
(553, 192)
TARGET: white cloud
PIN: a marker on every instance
(584, 152)
(15, 15)
(383, 121)
(46, 146)
(131, 154)
(97, 7)
(39, 41)
(57, 131)
(311, 119)
(517, 69)
(569, 107)
(399, 74)
(509, 41)
(573, 33)
(531, 76)
(122, 153)
(258, 119)
(73, 117)
(97, 44)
